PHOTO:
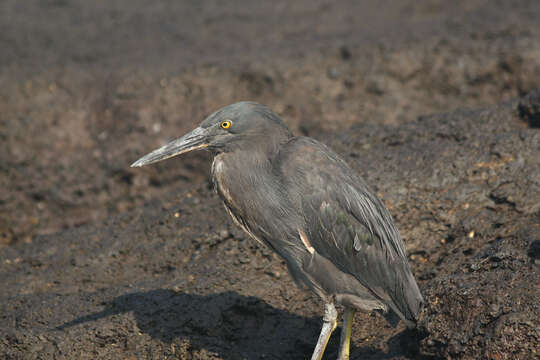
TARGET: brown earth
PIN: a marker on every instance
(98, 260)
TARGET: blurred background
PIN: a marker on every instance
(87, 87)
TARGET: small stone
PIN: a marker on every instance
(333, 73)
(244, 260)
(224, 234)
(345, 52)
(275, 274)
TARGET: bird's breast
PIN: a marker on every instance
(218, 178)
(221, 178)
(235, 180)
(228, 184)
(252, 198)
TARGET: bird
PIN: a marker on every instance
(305, 202)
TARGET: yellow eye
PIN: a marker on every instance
(226, 124)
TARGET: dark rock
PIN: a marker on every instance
(529, 109)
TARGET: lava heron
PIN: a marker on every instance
(302, 200)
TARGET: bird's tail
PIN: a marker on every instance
(407, 301)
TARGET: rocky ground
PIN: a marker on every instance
(435, 103)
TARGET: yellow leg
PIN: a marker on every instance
(329, 324)
(345, 341)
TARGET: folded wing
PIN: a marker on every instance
(347, 224)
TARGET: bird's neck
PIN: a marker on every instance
(237, 173)
(260, 143)
(239, 167)
(249, 157)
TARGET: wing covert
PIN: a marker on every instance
(346, 223)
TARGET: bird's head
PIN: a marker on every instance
(240, 126)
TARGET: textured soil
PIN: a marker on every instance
(435, 103)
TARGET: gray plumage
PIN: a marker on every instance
(298, 197)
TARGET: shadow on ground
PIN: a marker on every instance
(228, 324)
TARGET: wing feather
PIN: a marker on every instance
(347, 224)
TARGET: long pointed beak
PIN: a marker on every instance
(194, 140)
